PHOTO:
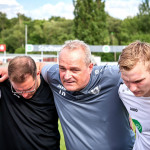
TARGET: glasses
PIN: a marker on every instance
(24, 91)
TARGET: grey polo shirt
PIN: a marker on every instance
(93, 118)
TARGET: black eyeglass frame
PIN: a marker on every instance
(24, 91)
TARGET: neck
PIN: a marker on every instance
(38, 81)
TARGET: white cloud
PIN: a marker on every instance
(121, 9)
(46, 11)
(118, 9)
(10, 2)
(10, 7)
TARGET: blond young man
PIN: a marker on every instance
(134, 65)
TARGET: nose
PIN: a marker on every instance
(132, 87)
(67, 75)
(25, 95)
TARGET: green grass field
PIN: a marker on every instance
(62, 142)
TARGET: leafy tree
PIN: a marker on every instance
(35, 31)
(14, 37)
(144, 8)
(21, 18)
(54, 31)
(129, 28)
(57, 32)
(144, 17)
(90, 21)
(36, 35)
(114, 28)
(54, 18)
(20, 50)
(4, 22)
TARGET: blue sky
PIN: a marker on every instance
(44, 9)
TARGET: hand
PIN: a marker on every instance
(40, 65)
(3, 74)
(131, 123)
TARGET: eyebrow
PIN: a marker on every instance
(139, 80)
(24, 90)
(61, 66)
(28, 88)
(72, 67)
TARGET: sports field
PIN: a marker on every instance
(62, 142)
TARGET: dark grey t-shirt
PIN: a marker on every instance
(93, 118)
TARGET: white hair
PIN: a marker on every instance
(75, 44)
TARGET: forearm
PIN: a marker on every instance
(40, 65)
(3, 73)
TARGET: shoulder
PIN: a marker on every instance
(49, 71)
(112, 69)
(106, 69)
(106, 76)
(123, 89)
(49, 68)
(5, 88)
(53, 71)
(125, 93)
(111, 73)
(5, 83)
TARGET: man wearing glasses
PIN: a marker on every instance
(28, 93)
(28, 117)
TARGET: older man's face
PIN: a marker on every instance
(74, 73)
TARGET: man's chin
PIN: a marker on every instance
(69, 88)
(29, 97)
(138, 94)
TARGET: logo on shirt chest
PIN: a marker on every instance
(96, 90)
(137, 124)
(133, 109)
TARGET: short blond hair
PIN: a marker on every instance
(133, 53)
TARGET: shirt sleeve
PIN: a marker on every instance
(124, 92)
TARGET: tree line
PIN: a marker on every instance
(91, 24)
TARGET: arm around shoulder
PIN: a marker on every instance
(40, 65)
(3, 74)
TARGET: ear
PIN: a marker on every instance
(38, 72)
(90, 67)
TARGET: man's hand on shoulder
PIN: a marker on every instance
(3, 74)
(40, 65)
